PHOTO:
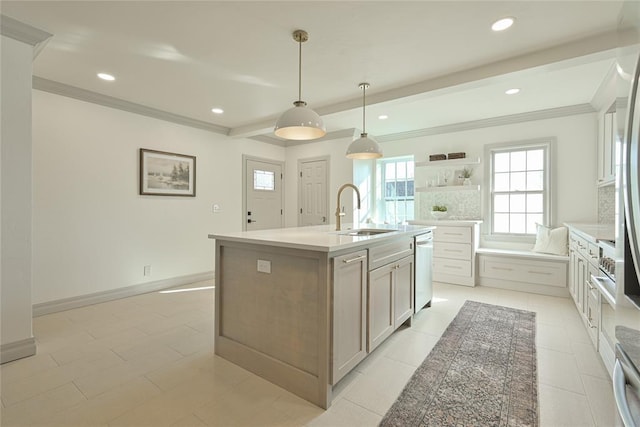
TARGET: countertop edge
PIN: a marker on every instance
(357, 242)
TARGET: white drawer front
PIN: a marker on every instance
(452, 250)
(529, 271)
(451, 266)
(452, 234)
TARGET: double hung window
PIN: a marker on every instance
(519, 190)
(397, 190)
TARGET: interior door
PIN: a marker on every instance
(313, 201)
(263, 195)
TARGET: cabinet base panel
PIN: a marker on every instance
(298, 382)
(531, 288)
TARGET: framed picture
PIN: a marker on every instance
(167, 174)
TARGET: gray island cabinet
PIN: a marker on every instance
(301, 307)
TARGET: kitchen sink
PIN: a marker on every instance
(366, 232)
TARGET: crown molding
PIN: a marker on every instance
(550, 113)
(108, 101)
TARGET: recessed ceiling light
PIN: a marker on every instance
(107, 77)
(217, 110)
(502, 24)
(512, 91)
(383, 117)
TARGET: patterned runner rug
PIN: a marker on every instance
(482, 372)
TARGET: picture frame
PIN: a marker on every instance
(167, 174)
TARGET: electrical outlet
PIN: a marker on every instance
(216, 208)
(147, 270)
(264, 266)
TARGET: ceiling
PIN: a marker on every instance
(429, 63)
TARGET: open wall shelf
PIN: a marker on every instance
(449, 163)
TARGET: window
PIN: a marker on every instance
(519, 193)
(264, 180)
(397, 190)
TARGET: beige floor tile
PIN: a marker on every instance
(378, 388)
(40, 409)
(558, 369)
(191, 368)
(27, 367)
(601, 401)
(560, 408)
(152, 343)
(344, 413)
(99, 382)
(189, 421)
(108, 406)
(553, 337)
(412, 347)
(35, 385)
(589, 361)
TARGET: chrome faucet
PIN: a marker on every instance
(340, 214)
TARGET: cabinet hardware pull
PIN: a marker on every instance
(453, 266)
(502, 268)
(452, 250)
(539, 272)
(358, 258)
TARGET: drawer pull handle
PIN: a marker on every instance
(358, 258)
(546, 273)
(452, 250)
(453, 266)
(452, 234)
(502, 268)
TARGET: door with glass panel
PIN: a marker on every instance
(263, 195)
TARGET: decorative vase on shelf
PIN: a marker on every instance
(467, 181)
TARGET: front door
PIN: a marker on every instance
(313, 204)
(263, 195)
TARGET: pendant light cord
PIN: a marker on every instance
(300, 70)
(364, 95)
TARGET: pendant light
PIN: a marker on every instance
(364, 147)
(300, 123)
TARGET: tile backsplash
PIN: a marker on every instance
(607, 205)
(461, 204)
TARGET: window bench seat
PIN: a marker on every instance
(524, 271)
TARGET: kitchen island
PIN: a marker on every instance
(303, 306)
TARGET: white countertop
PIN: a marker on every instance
(594, 231)
(323, 238)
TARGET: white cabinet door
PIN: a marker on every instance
(380, 295)
(403, 281)
(349, 313)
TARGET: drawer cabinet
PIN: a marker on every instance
(454, 247)
(521, 270)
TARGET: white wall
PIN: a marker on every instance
(92, 232)
(340, 172)
(575, 173)
(16, 184)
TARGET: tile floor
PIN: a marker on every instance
(148, 361)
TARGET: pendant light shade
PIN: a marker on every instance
(364, 147)
(300, 122)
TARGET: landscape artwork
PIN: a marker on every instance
(167, 174)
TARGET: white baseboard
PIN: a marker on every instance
(99, 297)
(17, 350)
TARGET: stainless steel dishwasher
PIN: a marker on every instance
(424, 271)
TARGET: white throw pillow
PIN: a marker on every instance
(551, 241)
